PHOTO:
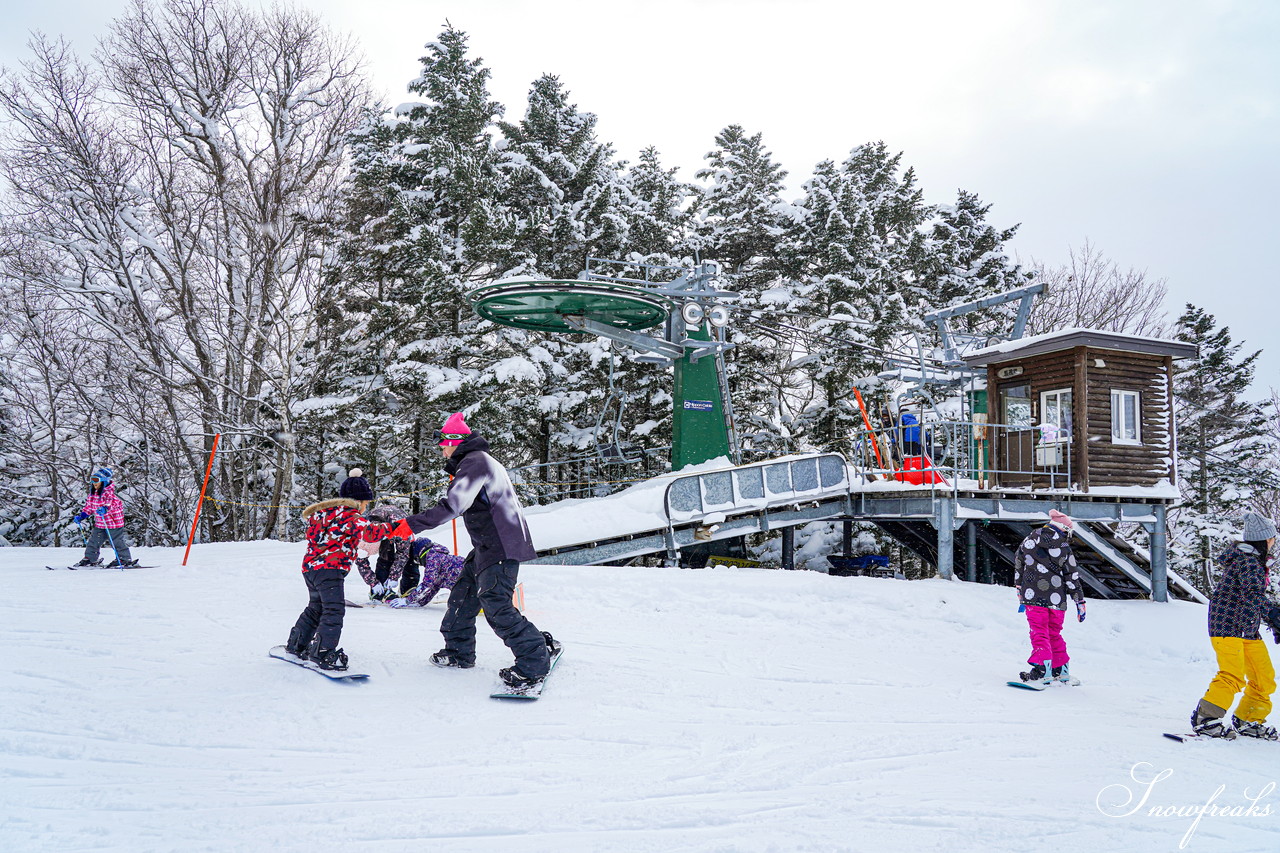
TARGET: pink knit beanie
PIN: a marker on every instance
(453, 432)
(1062, 520)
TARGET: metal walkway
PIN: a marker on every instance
(947, 528)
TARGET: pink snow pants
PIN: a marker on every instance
(1046, 635)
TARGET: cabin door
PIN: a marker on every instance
(1016, 442)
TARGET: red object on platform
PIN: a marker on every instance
(912, 472)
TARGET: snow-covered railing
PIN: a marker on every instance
(758, 486)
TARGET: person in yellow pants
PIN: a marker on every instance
(1235, 613)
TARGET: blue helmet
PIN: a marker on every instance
(104, 475)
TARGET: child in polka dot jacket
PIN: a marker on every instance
(1047, 577)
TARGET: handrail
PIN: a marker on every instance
(756, 486)
(948, 455)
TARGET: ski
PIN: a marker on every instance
(533, 691)
(95, 568)
(279, 653)
(349, 603)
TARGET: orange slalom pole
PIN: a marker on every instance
(200, 503)
(875, 445)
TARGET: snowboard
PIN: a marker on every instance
(279, 653)
(95, 568)
(1025, 685)
(1039, 685)
(1183, 737)
(533, 691)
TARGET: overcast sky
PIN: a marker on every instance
(1150, 128)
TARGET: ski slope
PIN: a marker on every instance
(712, 710)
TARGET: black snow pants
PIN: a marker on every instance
(325, 609)
(491, 588)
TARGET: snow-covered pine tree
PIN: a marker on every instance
(571, 201)
(852, 256)
(739, 221)
(423, 224)
(963, 258)
(659, 213)
(1222, 438)
(740, 214)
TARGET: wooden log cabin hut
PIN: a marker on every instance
(1083, 410)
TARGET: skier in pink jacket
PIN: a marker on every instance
(107, 512)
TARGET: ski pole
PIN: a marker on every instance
(83, 537)
(112, 540)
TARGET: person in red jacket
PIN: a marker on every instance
(334, 531)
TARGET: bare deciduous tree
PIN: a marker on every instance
(172, 200)
(1091, 291)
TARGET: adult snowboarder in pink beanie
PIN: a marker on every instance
(454, 431)
(481, 493)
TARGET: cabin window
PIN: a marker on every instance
(1015, 406)
(1126, 428)
(1055, 415)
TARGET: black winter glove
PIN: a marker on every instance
(1271, 615)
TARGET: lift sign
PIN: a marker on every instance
(699, 405)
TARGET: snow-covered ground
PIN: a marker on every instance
(713, 710)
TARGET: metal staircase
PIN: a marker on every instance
(1110, 566)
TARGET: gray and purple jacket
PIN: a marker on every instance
(481, 492)
(440, 570)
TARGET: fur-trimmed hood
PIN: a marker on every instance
(330, 504)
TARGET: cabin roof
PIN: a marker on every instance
(1071, 338)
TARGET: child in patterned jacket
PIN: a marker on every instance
(334, 530)
(106, 510)
(440, 570)
(1047, 576)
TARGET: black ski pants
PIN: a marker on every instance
(322, 617)
(491, 588)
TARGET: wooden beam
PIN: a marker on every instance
(1080, 418)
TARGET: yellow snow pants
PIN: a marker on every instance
(1242, 665)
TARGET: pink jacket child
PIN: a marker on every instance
(106, 510)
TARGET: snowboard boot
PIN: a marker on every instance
(1259, 730)
(553, 645)
(1208, 725)
(1063, 674)
(296, 645)
(333, 659)
(448, 660)
(1036, 675)
(86, 563)
(512, 678)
